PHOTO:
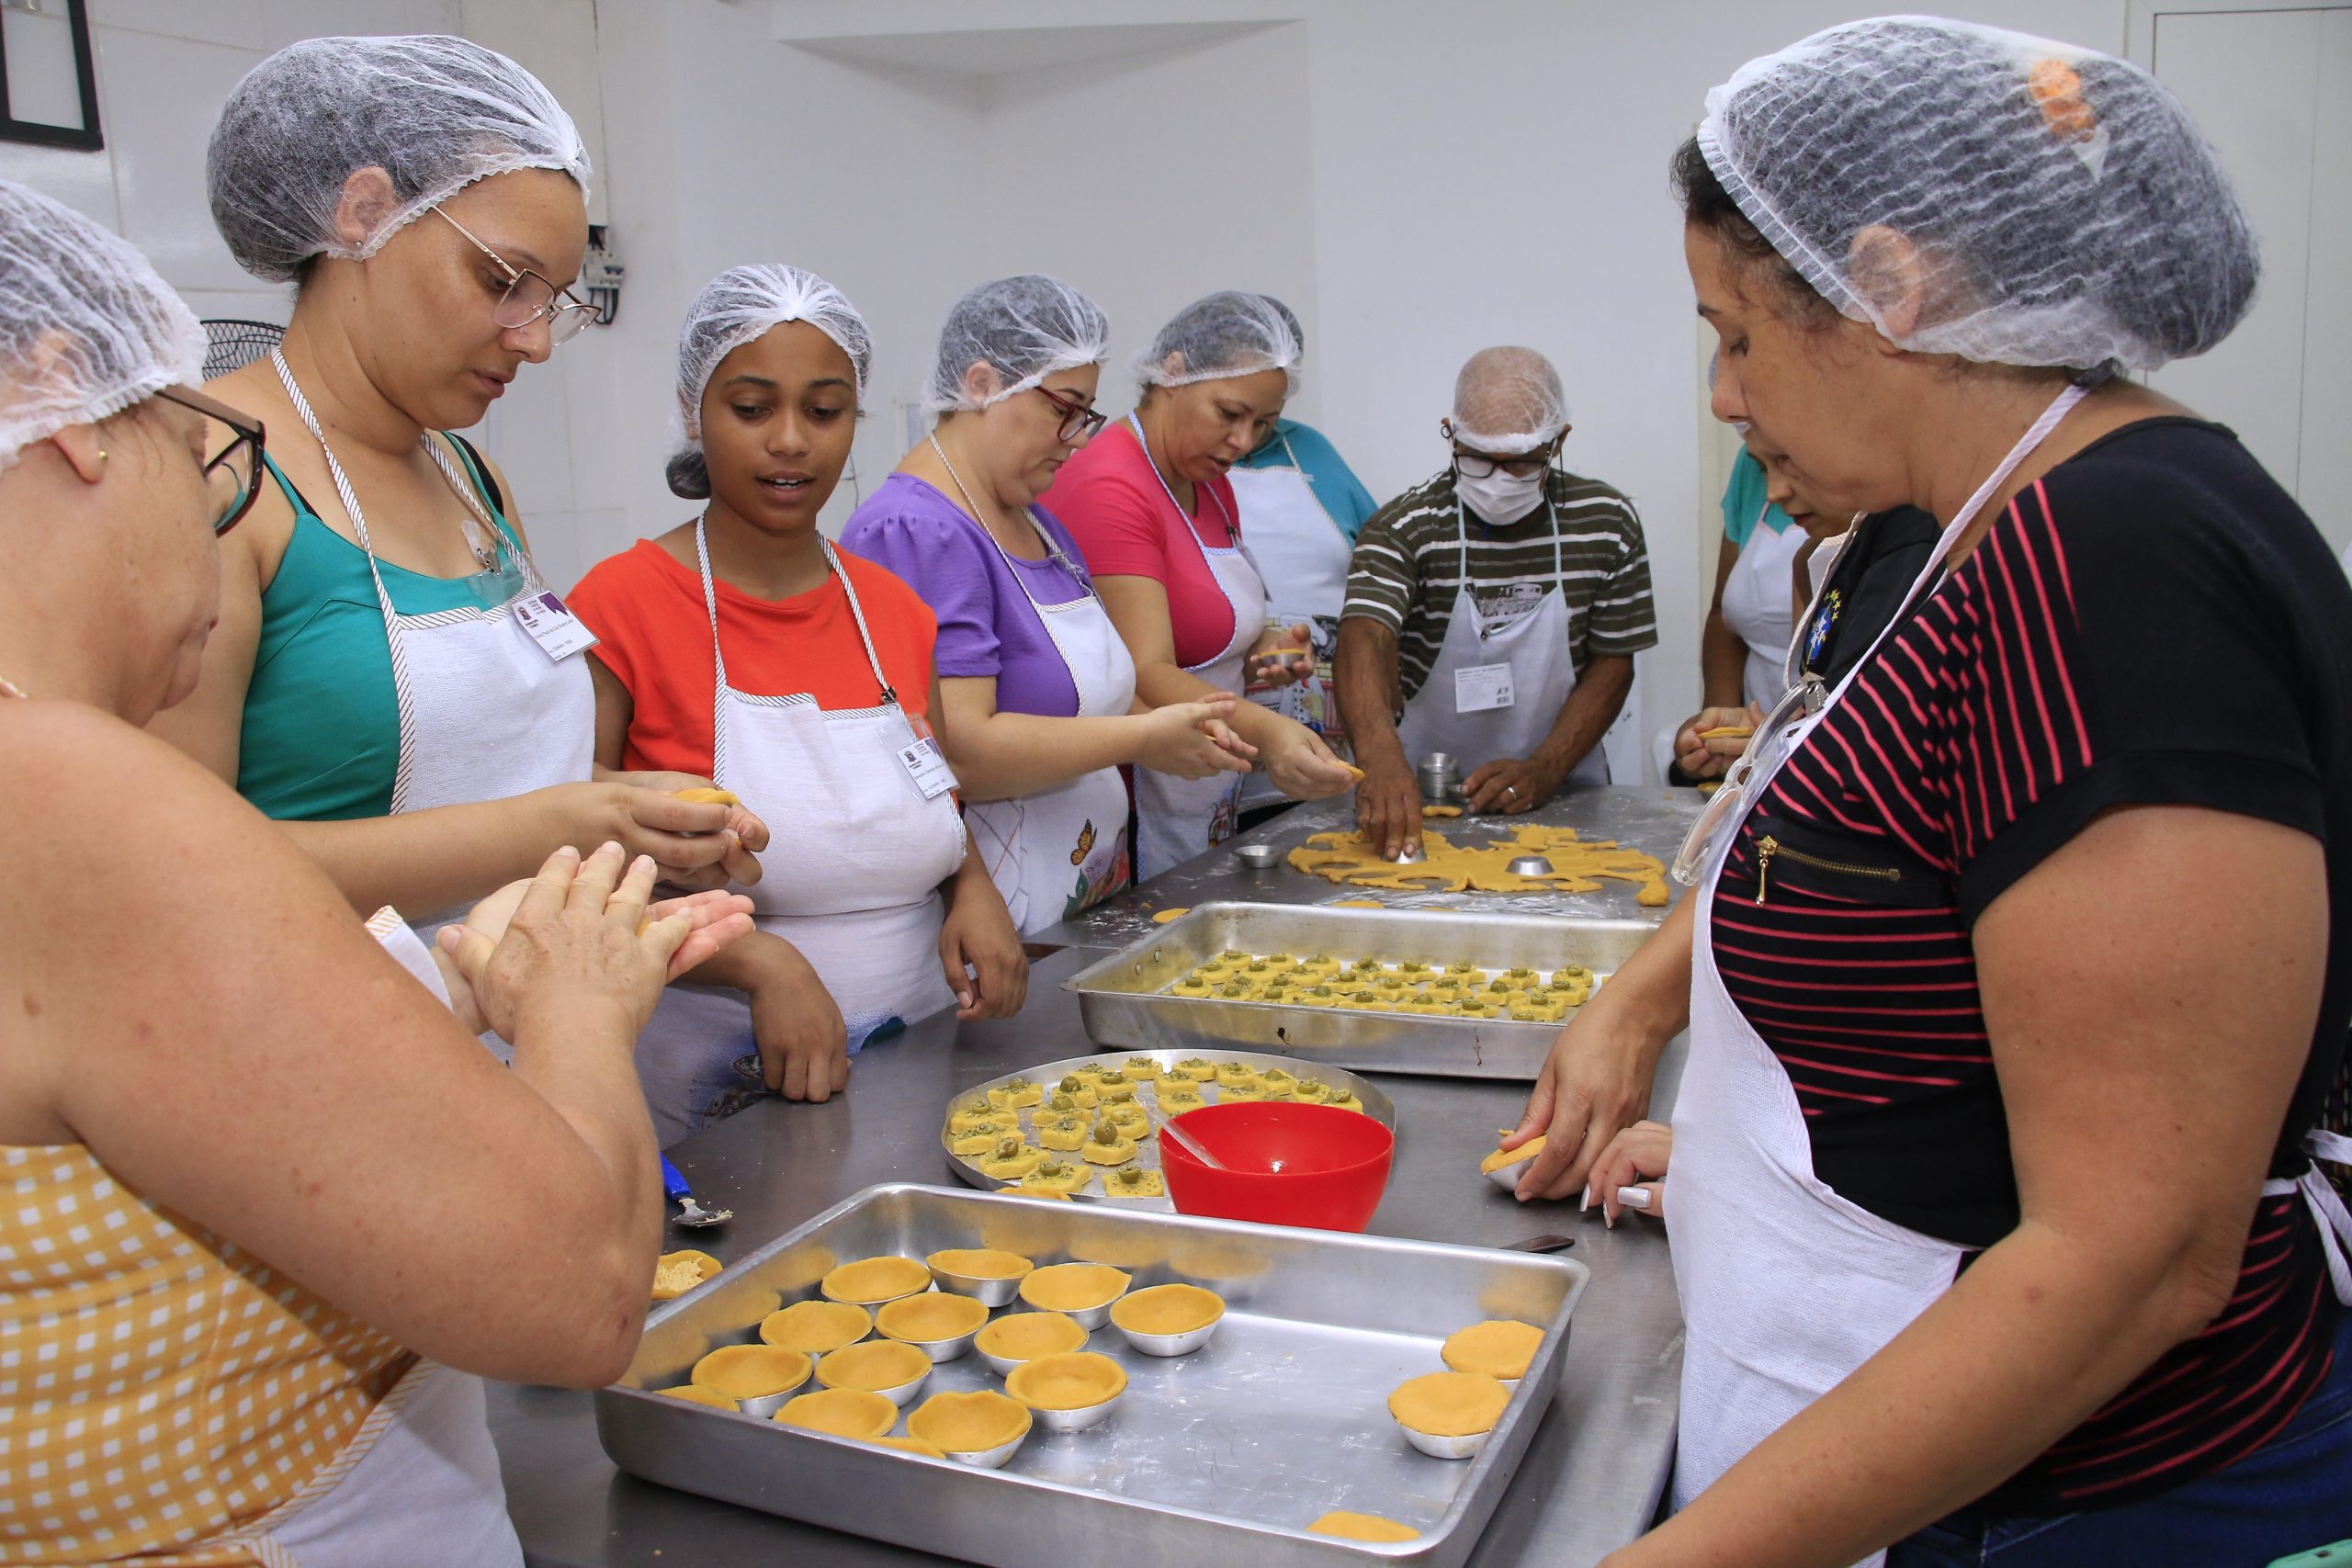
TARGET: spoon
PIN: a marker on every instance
(1169, 1129)
(695, 1217)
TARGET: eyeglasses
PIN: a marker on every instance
(529, 297)
(235, 469)
(1482, 464)
(1076, 416)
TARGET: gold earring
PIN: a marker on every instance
(102, 454)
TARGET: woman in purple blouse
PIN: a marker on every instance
(1037, 687)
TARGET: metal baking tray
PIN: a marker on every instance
(1376, 1105)
(1222, 1456)
(1124, 1002)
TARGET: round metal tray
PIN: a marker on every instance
(1375, 1104)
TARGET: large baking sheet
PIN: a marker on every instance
(1223, 1455)
(1376, 1105)
(1124, 1001)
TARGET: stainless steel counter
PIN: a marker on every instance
(1598, 1464)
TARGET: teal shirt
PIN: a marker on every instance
(1743, 498)
(1335, 484)
(322, 735)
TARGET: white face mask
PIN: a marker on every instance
(1500, 498)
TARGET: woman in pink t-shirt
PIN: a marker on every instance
(1149, 503)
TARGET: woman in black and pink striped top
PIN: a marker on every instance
(2021, 956)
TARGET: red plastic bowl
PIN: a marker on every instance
(1291, 1164)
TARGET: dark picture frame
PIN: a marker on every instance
(85, 137)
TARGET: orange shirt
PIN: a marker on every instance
(654, 636)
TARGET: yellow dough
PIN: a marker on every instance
(980, 1263)
(969, 1423)
(676, 1273)
(1199, 1069)
(1027, 1190)
(1313, 1091)
(1113, 1089)
(1502, 1158)
(907, 1446)
(1234, 1075)
(974, 1144)
(876, 1364)
(1074, 1287)
(693, 1395)
(1442, 1405)
(1107, 1146)
(1066, 1134)
(1361, 1527)
(872, 1281)
(1056, 1178)
(751, 1372)
(984, 1119)
(1012, 1157)
(1345, 1099)
(1015, 1093)
(841, 1413)
(1071, 1380)
(1165, 916)
(1130, 1119)
(1277, 1077)
(1025, 1335)
(1578, 864)
(1429, 812)
(702, 796)
(1176, 1098)
(1167, 1309)
(1192, 985)
(1134, 1181)
(1498, 1348)
(1140, 1069)
(814, 1327)
(927, 1318)
(1079, 1087)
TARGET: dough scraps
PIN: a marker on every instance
(872, 1281)
(751, 1372)
(1361, 1527)
(841, 1412)
(1165, 916)
(1498, 1347)
(676, 1273)
(693, 1395)
(1429, 812)
(1440, 1405)
(1167, 1309)
(1502, 1158)
(931, 1317)
(1578, 864)
(969, 1423)
(1351, 903)
(814, 1327)
(1074, 1287)
(1074, 1380)
(1727, 732)
(1025, 1335)
(875, 1365)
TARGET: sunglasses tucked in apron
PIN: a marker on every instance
(1494, 692)
(1178, 819)
(1060, 850)
(1303, 558)
(851, 875)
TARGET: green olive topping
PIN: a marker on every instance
(1131, 1177)
(1008, 1148)
(1105, 1133)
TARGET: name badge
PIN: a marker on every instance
(927, 768)
(1481, 687)
(556, 629)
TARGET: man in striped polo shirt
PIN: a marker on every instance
(1492, 611)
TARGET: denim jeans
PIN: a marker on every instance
(2290, 1495)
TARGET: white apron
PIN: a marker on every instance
(1059, 851)
(1178, 819)
(1303, 558)
(851, 878)
(419, 1480)
(1758, 608)
(1532, 649)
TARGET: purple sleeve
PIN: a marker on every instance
(943, 558)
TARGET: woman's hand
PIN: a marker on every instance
(1593, 1085)
(1191, 740)
(980, 948)
(1712, 757)
(1282, 656)
(1300, 765)
(579, 937)
(804, 1048)
(1635, 1157)
(697, 845)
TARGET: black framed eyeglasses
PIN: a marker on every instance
(1482, 464)
(235, 469)
(1077, 417)
(529, 297)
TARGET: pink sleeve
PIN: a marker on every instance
(1119, 528)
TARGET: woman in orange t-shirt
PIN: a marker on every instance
(801, 680)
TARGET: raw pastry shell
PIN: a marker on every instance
(1074, 1287)
(751, 1372)
(1167, 1309)
(814, 1327)
(969, 1423)
(874, 1365)
(1502, 1158)
(841, 1412)
(872, 1281)
(1443, 1404)
(1498, 1347)
(1025, 1335)
(672, 1264)
(932, 1316)
(1072, 1381)
(980, 1263)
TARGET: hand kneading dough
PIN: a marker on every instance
(1498, 1348)
(969, 1423)
(1361, 1527)
(1442, 1405)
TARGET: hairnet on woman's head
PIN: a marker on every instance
(436, 114)
(1508, 399)
(1026, 328)
(2038, 204)
(735, 307)
(87, 328)
(1220, 336)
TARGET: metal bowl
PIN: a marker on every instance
(1182, 1344)
(1529, 866)
(944, 1349)
(989, 1289)
(1411, 854)
(1073, 1420)
(1257, 857)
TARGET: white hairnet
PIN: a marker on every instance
(1027, 327)
(1508, 399)
(434, 113)
(734, 309)
(1223, 334)
(87, 328)
(2064, 206)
